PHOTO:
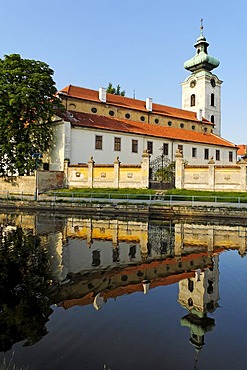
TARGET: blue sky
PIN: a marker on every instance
(139, 44)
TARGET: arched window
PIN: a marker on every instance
(212, 118)
(212, 100)
(192, 100)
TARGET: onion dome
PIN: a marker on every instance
(201, 61)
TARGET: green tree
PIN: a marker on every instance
(27, 101)
(115, 90)
(25, 281)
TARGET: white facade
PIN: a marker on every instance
(78, 145)
(206, 89)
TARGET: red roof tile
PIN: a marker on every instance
(138, 128)
(122, 101)
(242, 149)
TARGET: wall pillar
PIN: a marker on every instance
(243, 165)
(179, 240)
(90, 172)
(179, 170)
(66, 173)
(211, 174)
(116, 173)
(145, 169)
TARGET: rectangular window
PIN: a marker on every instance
(194, 152)
(134, 146)
(230, 156)
(217, 155)
(180, 147)
(165, 149)
(206, 153)
(150, 147)
(117, 144)
(98, 142)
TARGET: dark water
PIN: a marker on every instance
(93, 293)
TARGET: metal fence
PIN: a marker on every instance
(108, 197)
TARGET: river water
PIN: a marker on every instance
(97, 293)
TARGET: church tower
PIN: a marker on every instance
(201, 91)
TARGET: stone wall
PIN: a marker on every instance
(210, 177)
(116, 175)
(49, 180)
(18, 184)
(46, 180)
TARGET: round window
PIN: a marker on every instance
(127, 115)
(181, 125)
(111, 113)
(94, 110)
(156, 120)
(193, 127)
(142, 118)
(169, 123)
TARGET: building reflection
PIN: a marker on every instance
(93, 260)
(199, 295)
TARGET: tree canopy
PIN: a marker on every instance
(115, 90)
(27, 101)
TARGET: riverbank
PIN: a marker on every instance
(156, 211)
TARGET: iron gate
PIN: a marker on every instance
(162, 173)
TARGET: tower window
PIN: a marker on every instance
(190, 285)
(206, 153)
(212, 100)
(212, 118)
(192, 100)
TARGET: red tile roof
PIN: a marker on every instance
(242, 149)
(139, 128)
(129, 103)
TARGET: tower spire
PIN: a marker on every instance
(201, 28)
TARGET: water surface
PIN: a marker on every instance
(95, 293)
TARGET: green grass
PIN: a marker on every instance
(88, 191)
(144, 194)
(209, 196)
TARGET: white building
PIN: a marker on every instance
(105, 126)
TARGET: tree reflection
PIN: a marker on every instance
(24, 281)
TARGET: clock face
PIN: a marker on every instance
(212, 82)
(193, 83)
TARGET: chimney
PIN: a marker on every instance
(199, 115)
(102, 94)
(149, 104)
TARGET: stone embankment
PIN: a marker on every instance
(153, 211)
